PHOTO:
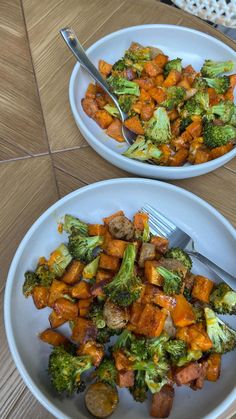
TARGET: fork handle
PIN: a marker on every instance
(225, 276)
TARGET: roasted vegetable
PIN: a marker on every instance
(222, 336)
(176, 349)
(73, 223)
(172, 281)
(122, 86)
(175, 64)
(155, 373)
(175, 96)
(223, 110)
(223, 299)
(126, 101)
(96, 315)
(139, 389)
(143, 150)
(31, 281)
(191, 355)
(59, 260)
(218, 135)
(220, 84)
(112, 110)
(82, 248)
(180, 255)
(107, 372)
(158, 127)
(212, 68)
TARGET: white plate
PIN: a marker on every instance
(214, 236)
(176, 41)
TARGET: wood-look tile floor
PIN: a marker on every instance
(43, 156)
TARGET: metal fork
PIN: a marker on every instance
(178, 238)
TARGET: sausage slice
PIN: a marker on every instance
(121, 228)
(162, 402)
(101, 399)
(187, 374)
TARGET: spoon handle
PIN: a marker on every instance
(73, 43)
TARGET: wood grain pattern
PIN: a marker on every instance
(29, 120)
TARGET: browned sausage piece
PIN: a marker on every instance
(199, 382)
(189, 281)
(101, 399)
(173, 265)
(185, 375)
(162, 402)
(125, 378)
(115, 316)
(121, 228)
(147, 252)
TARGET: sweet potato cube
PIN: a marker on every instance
(112, 216)
(154, 295)
(134, 125)
(172, 79)
(103, 118)
(161, 243)
(151, 273)
(40, 296)
(66, 309)
(56, 320)
(158, 94)
(104, 67)
(110, 263)
(84, 306)
(57, 290)
(81, 290)
(83, 330)
(91, 91)
(182, 314)
(96, 230)
(199, 339)
(125, 378)
(202, 288)
(136, 310)
(115, 130)
(151, 321)
(122, 362)
(104, 275)
(140, 220)
(93, 349)
(116, 248)
(73, 272)
(53, 338)
(213, 367)
(161, 60)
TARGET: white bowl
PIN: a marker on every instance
(215, 237)
(176, 41)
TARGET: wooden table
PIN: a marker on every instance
(43, 155)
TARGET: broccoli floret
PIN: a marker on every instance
(31, 281)
(197, 105)
(187, 294)
(189, 357)
(200, 83)
(125, 287)
(175, 64)
(220, 84)
(96, 315)
(112, 110)
(202, 98)
(184, 123)
(158, 127)
(65, 370)
(175, 96)
(82, 248)
(143, 150)
(144, 235)
(233, 118)
(119, 65)
(155, 373)
(224, 111)
(59, 260)
(104, 334)
(212, 68)
(223, 299)
(45, 275)
(126, 102)
(156, 346)
(139, 389)
(138, 53)
(106, 372)
(90, 270)
(73, 223)
(172, 281)
(199, 312)
(124, 340)
(221, 335)
(177, 349)
(180, 255)
(217, 135)
(122, 86)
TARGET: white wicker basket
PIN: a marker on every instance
(222, 12)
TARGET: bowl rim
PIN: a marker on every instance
(38, 394)
(165, 170)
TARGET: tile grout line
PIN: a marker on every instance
(69, 174)
(231, 170)
(34, 73)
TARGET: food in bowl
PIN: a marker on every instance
(136, 312)
(179, 115)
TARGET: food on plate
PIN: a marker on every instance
(137, 317)
(179, 115)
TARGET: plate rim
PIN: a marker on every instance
(38, 393)
(165, 170)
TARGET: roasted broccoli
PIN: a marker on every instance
(197, 105)
(65, 370)
(90, 270)
(122, 86)
(224, 111)
(223, 299)
(59, 260)
(176, 349)
(126, 286)
(138, 53)
(189, 357)
(175, 96)
(143, 150)
(119, 65)
(175, 64)
(112, 110)
(104, 334)
(180, 255)
(144, 235)
(221, 335)
(155, 347)
(73, 223)
(220, 84)
(212, 68)
(124, 340)
(158, 127)
(217, 135)
(126, 102)
(139, 389)
(184, 123)
(45, 275)
(155, 373)
(31, 281)
(82, 248)
(106, 372)
(187, 294)
(96, 315)
(198, 309)
(199, 83)
(172, 281)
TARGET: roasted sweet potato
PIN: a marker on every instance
(83, 330)
(81, 290)
(116, 248)
(172, 79)
(66, 309)
(186, 374)
(115, 130)
(55, 320)
(89, 106)
(104, 67)
(57, 290)
(158, 94)
(213, 367)
(179, 158)
(108, 262)
(53, 338)
(152, 69)
(146, 112)
(91, 91)
(220, 151)
(202, 156)
(136, 310)
(96, 230)
(145, 84)
(40, 296)
(151, 321)
(103, 118)
(134, 125)
(84, 306)
(202, 288)
(161, 60)
(159, 80)
(151, 274)
(155, 295)
(198, 338)
(73, 272)
(195, 129)
(182, 314)
(94, 349)
(161, 243)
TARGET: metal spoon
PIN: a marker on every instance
(73, 43)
